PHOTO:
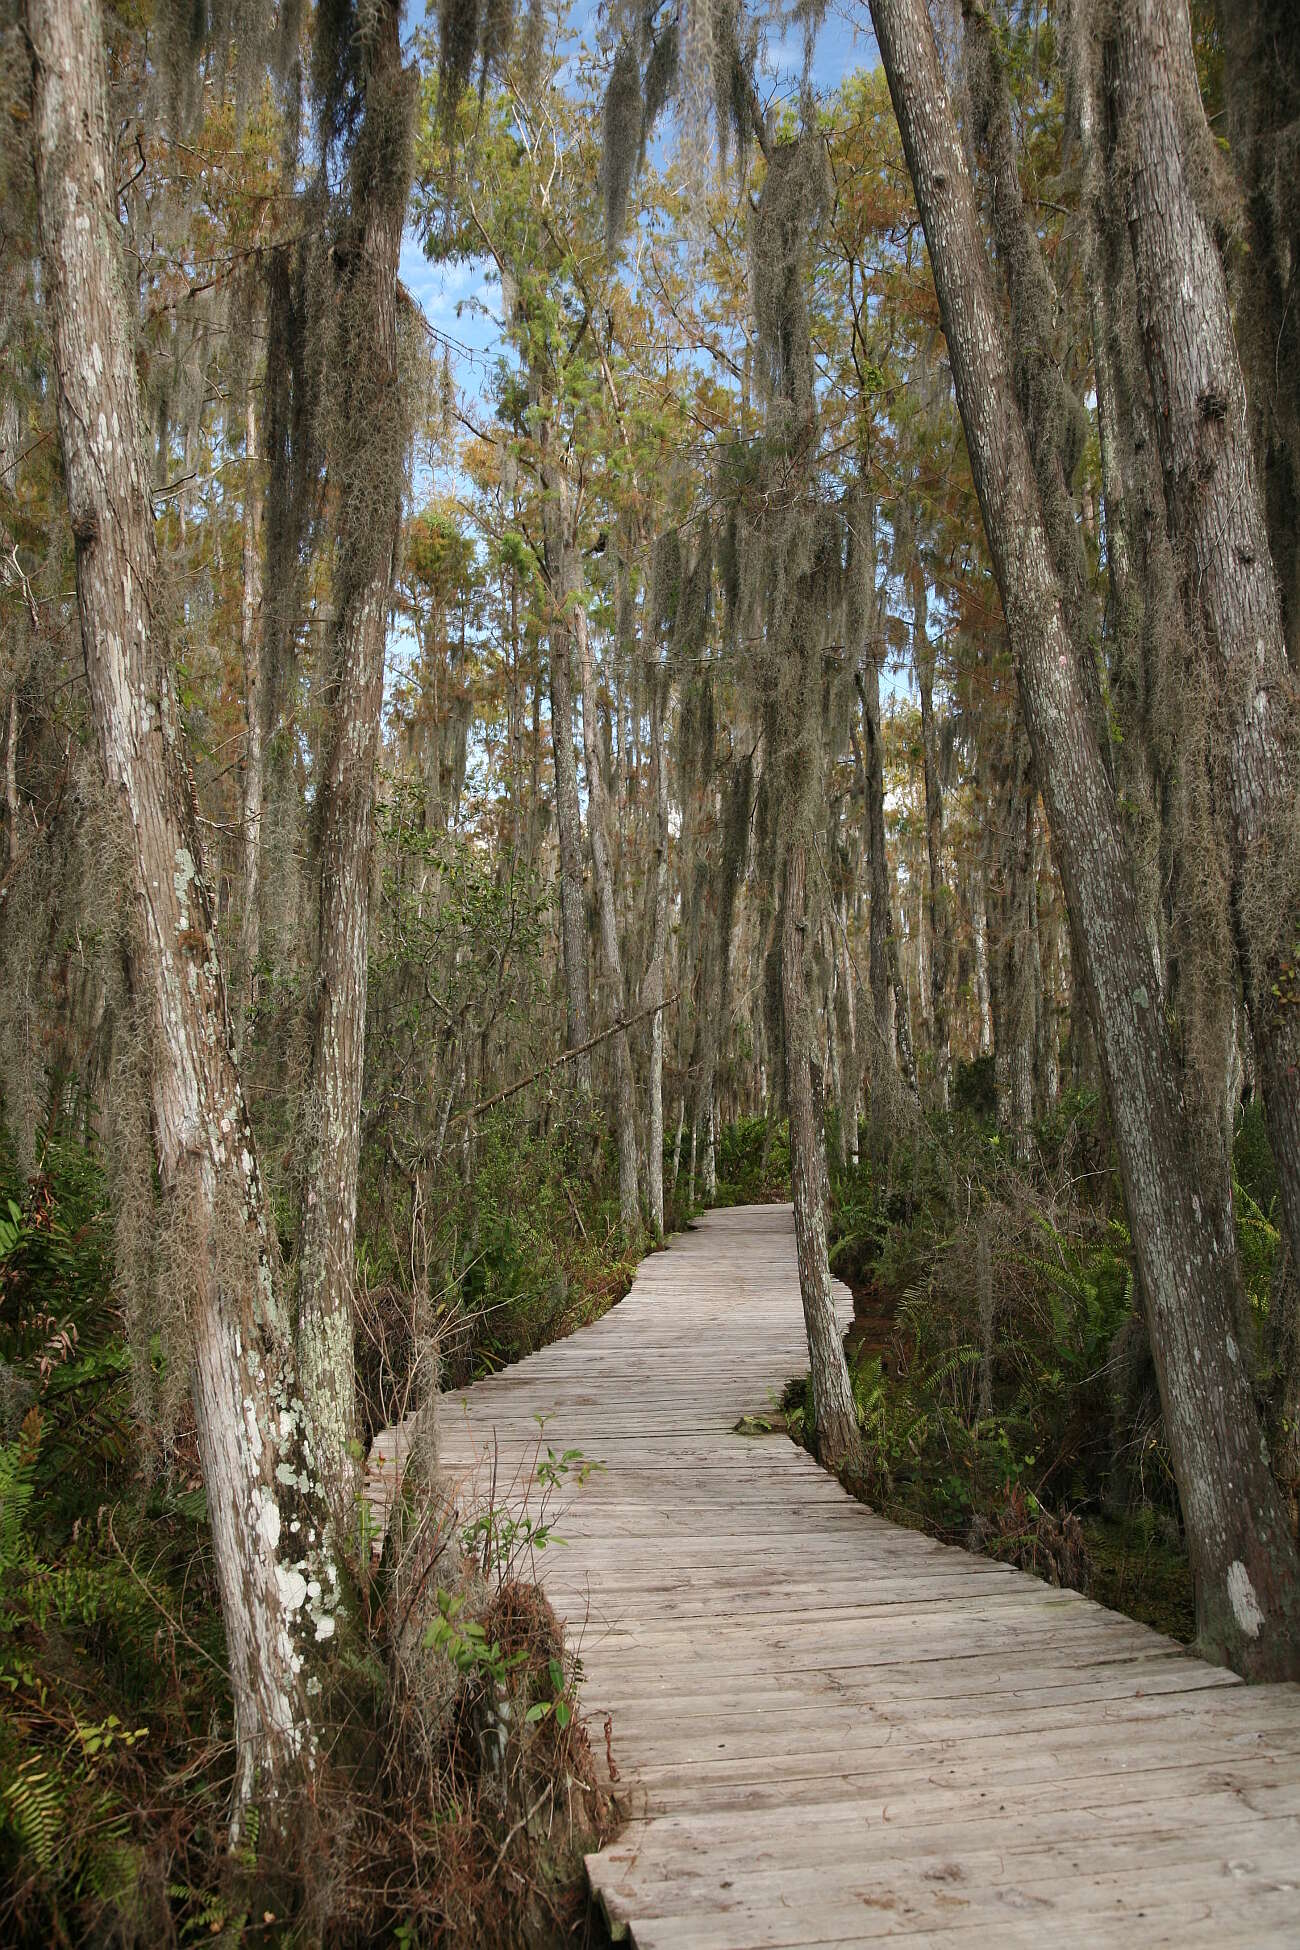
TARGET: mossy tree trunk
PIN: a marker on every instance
(938, 905)
(1243, 1556)
(1260, 40)
(1011, 988)
(257, 1447)
(367, 460)
(657, 973)
(1218, 527)
(568, 806)
(598, 834)
(253, 793)
(888, 996)
(834, 1419)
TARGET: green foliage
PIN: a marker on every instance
(55, 1262)
(973, 1090)
(464, 1641)
(753, 1162)
(115, 1714)
(1000, 1373)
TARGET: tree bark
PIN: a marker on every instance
(1012, 988)
(1260, 40)
(568, 809)
(254, 782)
(847, 999)
(1053, 418)
(1243, 1557)
(938, 906)
(834, 1418)
(266, 1505)
(980, 951)
(656, 976)
(368, 461)
(598, 830)
(1217, 524)
(888, 997)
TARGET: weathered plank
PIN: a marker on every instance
(830, 1730)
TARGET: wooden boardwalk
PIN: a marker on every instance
(830, 1730)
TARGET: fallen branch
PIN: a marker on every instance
(566, 1056)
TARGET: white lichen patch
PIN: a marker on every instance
(268, 1521)
(183, 878)
(293, 1588)
(1241, 1596)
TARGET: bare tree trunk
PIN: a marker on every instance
(709, 1172)
(1217, 523)
(254, 783)
(834, 1418)
(568, 809)
(277, 1582)
(12, 806)
(979, 927)
(1261, 96)
(1051, 415)
(1012, 991)
(1243, 1557)
(849, 1013)
(655, 980)
(707, 1045)
(1047, 961)
(598, 829)
(938, 903)
(368, 464)
(889, 999)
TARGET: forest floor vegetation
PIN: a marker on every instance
(457, 1793)
(1006, 1402)
(1005, 1391)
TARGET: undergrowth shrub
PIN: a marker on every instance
(458, 1789)
(488, 1263)
(1004, 1383)
(753, 1162)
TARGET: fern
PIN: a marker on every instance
(17, 1488)
(35, 1803)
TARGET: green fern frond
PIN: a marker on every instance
(34, 1802)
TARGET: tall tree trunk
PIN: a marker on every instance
(568, 808)
(1054, 420)
(888, 998)
(1244, 1559)
(979, 927)
(834, 1419)
(1047, 962)
(254, 782)
(368, 461)
(849, 1019)
(656, 979)
(278, 1592)
(598, 832)
(1012, 987)
(1260, 40)
(939, 908)
(1217, 523)
(13, 807)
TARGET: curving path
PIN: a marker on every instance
(829, 1730)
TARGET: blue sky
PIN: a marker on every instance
(459, 301)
